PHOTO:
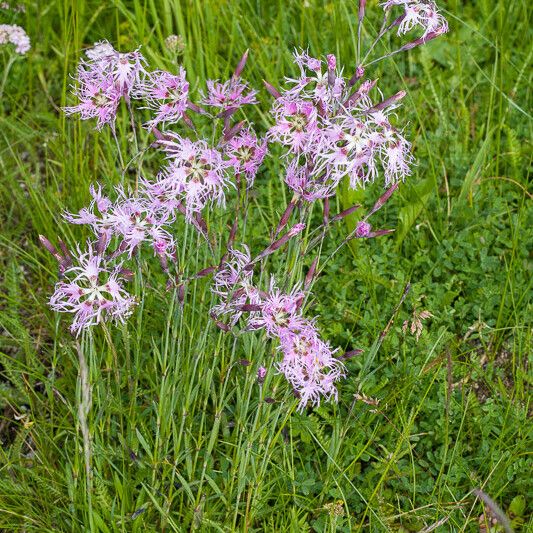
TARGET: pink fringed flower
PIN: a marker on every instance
(423, 13)
(93, 292)
(246, 153)
(99, 98)
(166, 94)
(134, 220)
(196, 173)
(296, 124)
(230, 95)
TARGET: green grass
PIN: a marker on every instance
(181, 435)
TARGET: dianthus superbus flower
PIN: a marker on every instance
(196, 173)
(166, 94)
(92, 291)
(246, 153)
(230, 95)
(423, 13)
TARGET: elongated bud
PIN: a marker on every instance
(232, 233)
(244, 362)
(423, 40)
(188, 121)
(362, 4)
(365, 88)
(250, 308)
(50, 247)
(345, 213)
(379, 233)
(272, 90)
(205, 272)
(230, 133)
(221, 325)
(195, 108)
(276, 245)
(181, 293)
(382, 200)
(163, 261)
(310, 274)
(359, 73)
(227, 113)
(325, 216)
(101, 244)
(126, 273)
(241, 64)
(388, 102)
(350, 354)
(285, 217)
(332, 65)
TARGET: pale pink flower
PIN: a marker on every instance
(196, 173)
(11, 33)
(423, 13)
(166, 94)
(93, 292)
(245, 153)
(230, 95)
(296, 124)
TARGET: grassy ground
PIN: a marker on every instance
(182, 437)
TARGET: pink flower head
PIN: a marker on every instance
(232, 283)
(423, 13)
(11, 33)
(301, 180)
(246, 153)
(196, 173)
(98, 95)
(308, 364)
(296, 124)
(133, 219)
(323, 86)
(93, 292)
(278, 311)
(363, 229)
(230, 95)
(166, 94)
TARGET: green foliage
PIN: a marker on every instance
(182, 437)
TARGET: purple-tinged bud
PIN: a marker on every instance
(272, 90)
(230, 133)
(50, 247)
(244, 362)
(221, 325)
(297, 228)
(332, 64)
(261, 374)
(388, 102)
(241, 64)
(363, 229)
(380, 233)
(188, 121)
(195, 108)
(250, 308)
(362, 4)
(423, 40)
(205, 272)
(359, 73)
(233, 232)
(325, 216)
(350, 354)
(345, 213)
(382, 200)
(101, 244)
(181, 293)
(163, 261)
(227, 113)
(285, 217)
(270, 400)
(127, 274)
(310, 274)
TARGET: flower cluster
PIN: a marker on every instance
(11, 33)
(308, 362)
(331, 130)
